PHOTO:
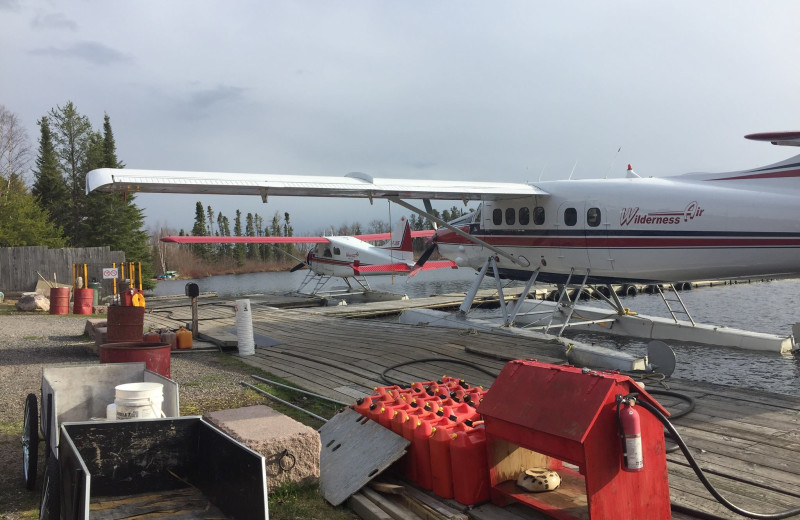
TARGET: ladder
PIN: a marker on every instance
(680, 308)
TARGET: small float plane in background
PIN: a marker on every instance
(696, 226)
(346, 257)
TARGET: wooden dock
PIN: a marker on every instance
(747, 441)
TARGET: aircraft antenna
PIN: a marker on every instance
(541, 173)
(612, 162)
(573, 169)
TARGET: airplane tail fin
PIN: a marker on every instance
(400, 243)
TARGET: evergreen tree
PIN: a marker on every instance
(72, 135)
(49, 187)
(239, 250)
(250, 231)
(199, 230)
(223, 231)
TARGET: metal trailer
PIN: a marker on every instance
(179, 468)
(76, 393)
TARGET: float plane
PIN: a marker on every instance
(351, 258)
(636, 229)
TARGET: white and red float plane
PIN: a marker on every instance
(347, 257)
(696, 226)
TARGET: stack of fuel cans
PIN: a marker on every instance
(448, 442)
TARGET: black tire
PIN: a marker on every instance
(30, 441)
(50, 504)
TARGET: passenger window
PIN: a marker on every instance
(511, 216)
(538, 215)
(593, 217)
(524, 216)
(497, 216)
(570, 216)
(336, 251)
(327, 253)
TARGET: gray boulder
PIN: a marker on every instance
(33, 302)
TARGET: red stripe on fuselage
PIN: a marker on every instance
(625, 242)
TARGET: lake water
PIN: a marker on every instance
(770, 307)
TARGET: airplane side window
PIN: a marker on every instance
(538, 215)
(570, 216)
(497, 216)
(524, 216)
(327, 253)
(336, 251)
(593, 217)
(511, 216)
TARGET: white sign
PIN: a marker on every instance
(110, 272)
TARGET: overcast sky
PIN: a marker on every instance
(492, 90)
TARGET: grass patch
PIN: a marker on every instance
(292, 501)
(11, 428)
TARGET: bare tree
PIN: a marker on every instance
(15, 151)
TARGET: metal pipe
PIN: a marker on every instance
(265, 380)
(260, 391)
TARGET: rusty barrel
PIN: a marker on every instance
(82, 301)
(125, 323)
(156, 356)
(59, 300)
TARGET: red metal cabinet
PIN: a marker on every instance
(541, 414)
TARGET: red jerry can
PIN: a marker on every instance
(548, 414)
(470, 466)
(422, 434)
(415, 418)
(441, 467)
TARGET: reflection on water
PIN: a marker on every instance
(770, 307)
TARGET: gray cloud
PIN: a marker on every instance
(52, 21)
(92, 52)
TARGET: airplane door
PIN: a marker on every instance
(596, 226)
(572, 252)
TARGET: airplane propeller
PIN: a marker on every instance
(424, 257)
(299, 266)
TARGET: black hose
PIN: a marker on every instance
(427, 360)
(699, 472)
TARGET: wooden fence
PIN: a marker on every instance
(20, 266)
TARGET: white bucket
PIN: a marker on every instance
(138, 400)
(244, 328)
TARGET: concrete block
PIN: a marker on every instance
(291, 449)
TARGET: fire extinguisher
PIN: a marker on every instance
(630, 429)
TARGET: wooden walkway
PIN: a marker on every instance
(747, 441)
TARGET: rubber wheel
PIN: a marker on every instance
(30, 441)
(50, 504)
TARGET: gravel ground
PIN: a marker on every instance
(208, 382)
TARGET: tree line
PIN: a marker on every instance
(55, 210)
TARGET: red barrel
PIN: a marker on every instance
(470, 467)
(82, 301)
(156, 356)
(125, 323)
(59, 300)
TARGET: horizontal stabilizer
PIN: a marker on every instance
(777, 138)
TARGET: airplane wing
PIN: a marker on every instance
(244, 240)
(403, 268)
(355, 185)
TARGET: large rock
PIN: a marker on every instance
(33, 302)
(291, 449)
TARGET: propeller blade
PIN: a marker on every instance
(299, 266)
(422, 259)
